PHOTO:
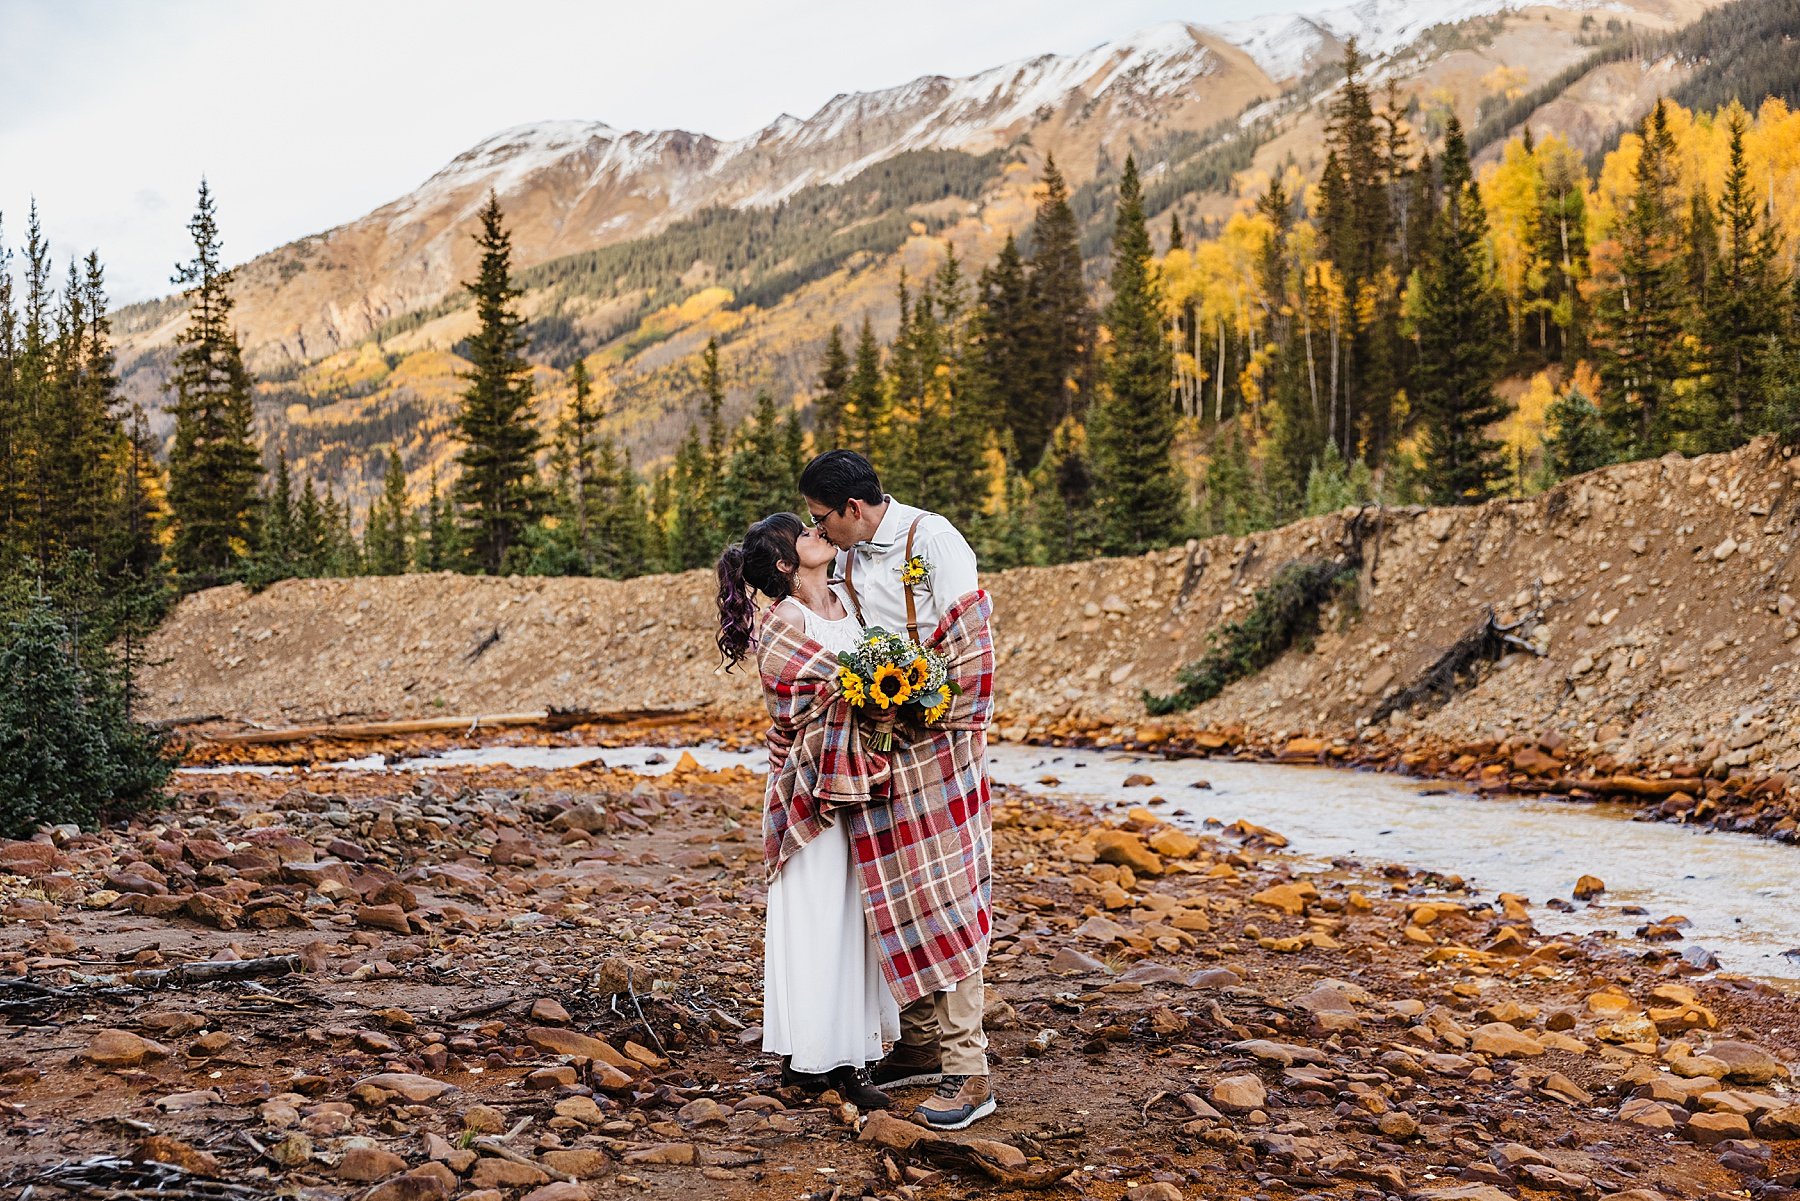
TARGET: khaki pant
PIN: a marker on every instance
(952, 1020)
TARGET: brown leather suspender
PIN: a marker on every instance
(912, 608)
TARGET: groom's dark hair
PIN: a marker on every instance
(838, 477)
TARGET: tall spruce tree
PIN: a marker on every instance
(12, 416)
(277, 531)
(1741, 314)
(498, 491)
(1062, 335)
(571, 547)
(439, 547)
(1002, 348)
(712, 387)
(389, 530)
(1066, 494)
(951, 435)
(834, 380)
(695, 534)
(1459, 326)
(1638, 315)
(865, 409)
(214, 466)
(759, 477)
(1139, 488)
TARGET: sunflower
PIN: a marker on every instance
(918, 672)
(889, 687)
(851, 685)
(938, 710)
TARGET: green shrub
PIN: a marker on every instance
(68, 750)
(1284, 611)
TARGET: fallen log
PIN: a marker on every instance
(203, 972)
(550, 719)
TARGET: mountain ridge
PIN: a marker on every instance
(574, 186)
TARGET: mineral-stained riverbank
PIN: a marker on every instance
(521, 984)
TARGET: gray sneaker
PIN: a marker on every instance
(959, 1101)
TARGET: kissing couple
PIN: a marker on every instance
(879, 864)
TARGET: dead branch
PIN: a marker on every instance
(551, 719)
(183, 975)
(1487, 642)
(947, 1153)
(110, 1177)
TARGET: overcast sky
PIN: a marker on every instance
(309, 113)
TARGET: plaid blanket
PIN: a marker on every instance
(918, 817)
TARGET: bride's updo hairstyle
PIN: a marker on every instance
(755, 565)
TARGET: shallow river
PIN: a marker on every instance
(1741, 893)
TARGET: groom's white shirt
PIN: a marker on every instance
(878, 563)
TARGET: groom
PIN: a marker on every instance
(941, 1035)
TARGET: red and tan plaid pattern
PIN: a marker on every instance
(919, 818)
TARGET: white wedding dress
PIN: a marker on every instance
(825, 1002)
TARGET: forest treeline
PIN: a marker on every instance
(1399, 327)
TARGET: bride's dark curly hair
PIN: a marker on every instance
(756, 564)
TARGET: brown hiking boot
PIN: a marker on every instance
(959, 1101)
(908, 1067)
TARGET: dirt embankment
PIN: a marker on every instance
(1666, 592)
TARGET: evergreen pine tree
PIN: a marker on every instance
(1066, 512)
(1230, 496)
(620, 525)
(1639, 307)
(712, 386)
(498, 492)
(214, 466)
(1139, 487)
(1576, 439)
(439, 547)
(276, 533)
(865, 410)
(834, 380)
(54, 761)
(388, 529)
(12, 417)
(961, 476)
(1741, 314)
(694, 530)
(760, 478)
(1002, 349)
(572, 548)
(1061, 338)
(1459, 324)
(311, 538)
(34, 378)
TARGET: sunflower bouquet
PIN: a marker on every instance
(887, 677)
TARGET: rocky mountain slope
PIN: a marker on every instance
(354, 329)
(1663, 598)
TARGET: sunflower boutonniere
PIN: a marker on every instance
(915, 571)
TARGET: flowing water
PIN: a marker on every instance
(1740, 893)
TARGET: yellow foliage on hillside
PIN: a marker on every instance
(1702, 142)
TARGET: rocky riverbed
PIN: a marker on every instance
(544, 985)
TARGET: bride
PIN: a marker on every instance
(826, 1008)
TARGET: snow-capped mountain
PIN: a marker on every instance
(572, 185)
(1290, 45)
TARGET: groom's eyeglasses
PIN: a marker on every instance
(815, 520)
